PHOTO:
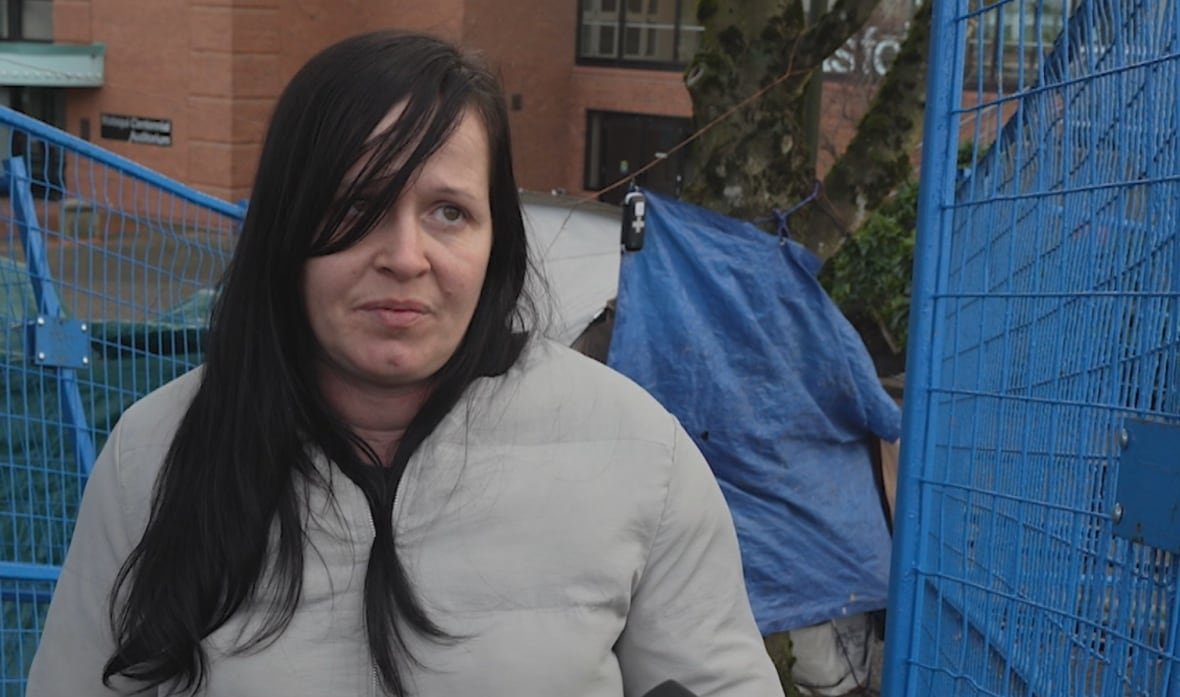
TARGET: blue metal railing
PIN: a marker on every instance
(106, 271)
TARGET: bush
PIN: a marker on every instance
(870, 277)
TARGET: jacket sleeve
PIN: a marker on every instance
(690, 617)
(77, 639)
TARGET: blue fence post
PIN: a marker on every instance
(936, 194)
(48, 305)
(1172, 669)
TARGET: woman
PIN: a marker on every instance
(379, 482)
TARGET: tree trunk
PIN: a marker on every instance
(757, 159)
(878, 159)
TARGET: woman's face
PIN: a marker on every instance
(390, 310)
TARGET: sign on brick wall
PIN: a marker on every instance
(136, 129)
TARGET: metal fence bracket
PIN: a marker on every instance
(58, 342)
(1147, 491)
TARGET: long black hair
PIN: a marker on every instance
(241, 461)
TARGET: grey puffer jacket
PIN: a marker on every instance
(559, 520)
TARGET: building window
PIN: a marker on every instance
(638, 33)
(1011, 44)
(26, 20)
(619, 144)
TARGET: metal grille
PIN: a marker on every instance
(106, 276)
(1038, 527)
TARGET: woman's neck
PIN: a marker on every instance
(378, 415)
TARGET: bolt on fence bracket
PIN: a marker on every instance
(1147, 489)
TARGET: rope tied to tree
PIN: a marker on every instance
(781, 218)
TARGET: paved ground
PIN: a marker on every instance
(126, 276)
(876, 660)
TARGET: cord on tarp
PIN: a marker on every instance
(781, 218)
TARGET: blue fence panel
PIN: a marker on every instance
(1039, 502)
(106, 278)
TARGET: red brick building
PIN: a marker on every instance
(186, 86)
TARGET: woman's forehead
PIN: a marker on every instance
(466, 143)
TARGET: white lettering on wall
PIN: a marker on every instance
(870, 52)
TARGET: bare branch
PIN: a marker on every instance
(830, 32)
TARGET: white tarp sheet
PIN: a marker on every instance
(576, 248)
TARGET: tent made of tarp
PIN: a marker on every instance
(729, 329)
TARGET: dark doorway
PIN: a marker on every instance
(45, 163)
(619, 144)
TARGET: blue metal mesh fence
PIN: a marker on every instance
(106, 276)
(1039, 512)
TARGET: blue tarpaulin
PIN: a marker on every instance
(731, 332)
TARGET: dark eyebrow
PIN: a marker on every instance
(455, 191)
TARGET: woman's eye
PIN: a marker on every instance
(449, 213)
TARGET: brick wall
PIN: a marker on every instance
(234, 48)
(215, 68)
(529, 43)
(147, 71)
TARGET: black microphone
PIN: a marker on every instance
(670, 688)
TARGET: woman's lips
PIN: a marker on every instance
(395, 314)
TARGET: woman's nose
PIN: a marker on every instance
(400, 248)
